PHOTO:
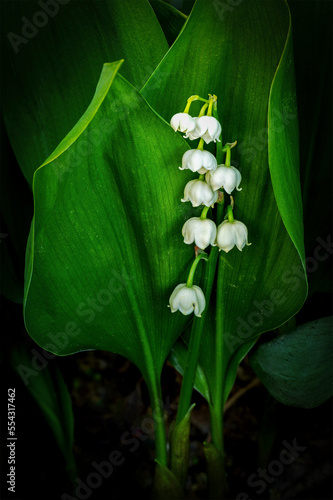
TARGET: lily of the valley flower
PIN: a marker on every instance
(206, 127)
(200, 231)
(182, 122)
(198, 161)
(187, 299)
(199, 193)
(227, 177)
(230, 234)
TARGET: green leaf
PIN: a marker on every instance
(50, 72)
(296, 367)
(50, 392)
(243, 55)
(105, 248)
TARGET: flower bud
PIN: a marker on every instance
(187, 299)
(227, 177)
(206, 127)
(230, 234)
(199, 193)
(200, 231)
(182, 122)
(198, 161)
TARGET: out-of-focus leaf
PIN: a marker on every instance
(296, 367)
(51, 394)
(50, 72)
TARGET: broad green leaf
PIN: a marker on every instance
(105, 249)
(51, 71)
(243, 55)
(171, 19)
(50, 392)
(296, 367)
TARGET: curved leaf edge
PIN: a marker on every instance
(105, 81)
(299, 245)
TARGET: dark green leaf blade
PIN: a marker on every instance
(49, 77)
(296, 367)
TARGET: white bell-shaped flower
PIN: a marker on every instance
(227, 177)
(200, 231)
(230, 234)
(198, 161)
(182, 122)
(206, 127)
(199, 193)
(187, 299)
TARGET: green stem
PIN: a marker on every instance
(218, 399)
(197, 330)
(203, 110)
(155, 394)
(228, 157)
(195, 342)
(193, 268)
(201, 144)
(230, 214)
(216, 426)
(212, 100)
(204, 213)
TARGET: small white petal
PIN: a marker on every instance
(182, 122)
(201, 232)
(199, 193)
(230, 234)
(208, 128)
(227, 177)
(198, 161)
(187, 300)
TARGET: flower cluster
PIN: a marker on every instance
(205, 190)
